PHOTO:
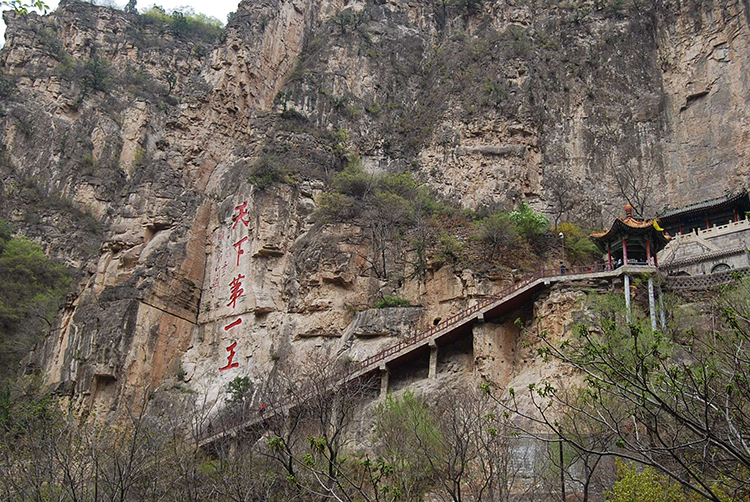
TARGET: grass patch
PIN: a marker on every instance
(392, 301)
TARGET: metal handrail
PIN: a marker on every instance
(368, 364)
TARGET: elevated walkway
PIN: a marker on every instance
(497, 305)
(504, 302)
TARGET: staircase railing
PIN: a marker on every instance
(229, 419)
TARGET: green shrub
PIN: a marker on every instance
(90, 163)
(579, 248)
(334, 206)
(392, 208)
(348, 18)
(404, 429)
(5, 234)
(30, 278)
(238, 390)
(266, 173)
(532, 227)
(24, 126)
(96, 75)
(392, 301)
(401, 184)
(185, 23)
(644, 485)
(200, 51)
(352, 111)
(50, 41)
(340, 146)
(7, 85)
(339, 102)
(528, 223)
(140, 82)
(140, 157)
(495, 92)
(498, 232)
(449, 247)
(292, 114)
(353, 180)
(178, 22)
(373, 109)
(31, 291)
(395, 198)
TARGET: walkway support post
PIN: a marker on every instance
(433, 360)
(651, 302)
(627, 297)
(384, 374)
(662, 313)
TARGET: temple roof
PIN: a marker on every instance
(631, 226)
(726, 201)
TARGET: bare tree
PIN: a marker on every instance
(563, 192)
(674, 400)
(330, 405)
(302, 418)
(636, 184)
(460, 446)
(635, 180)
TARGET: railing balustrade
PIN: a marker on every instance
(369, 364)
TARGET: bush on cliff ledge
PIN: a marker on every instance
(31, 291)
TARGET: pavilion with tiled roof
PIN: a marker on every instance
(631, 241)
(730, 207)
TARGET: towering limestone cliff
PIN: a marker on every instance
(178, 170)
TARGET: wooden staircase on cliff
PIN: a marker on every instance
(456, 326)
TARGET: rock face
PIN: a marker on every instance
(128, 148)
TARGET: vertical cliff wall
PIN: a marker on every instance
(128, 149)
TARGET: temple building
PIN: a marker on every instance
(700, 239)
(630, 241)
(708, 237)
(633, 245)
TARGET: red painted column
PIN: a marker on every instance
(624, 252)
(609, 255)
(680, 229)
(648, 252)
(708, 224)
(736, 216)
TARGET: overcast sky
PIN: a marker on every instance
(217, 8)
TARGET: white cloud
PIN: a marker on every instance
(216, 8)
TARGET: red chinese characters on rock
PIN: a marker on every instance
(240, 217)
(240, 251)
(235, 287)
(230, 364)
(236, 290)
(231, 348)
(232, 324)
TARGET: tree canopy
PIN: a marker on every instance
(30, 293)
(676, 400)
